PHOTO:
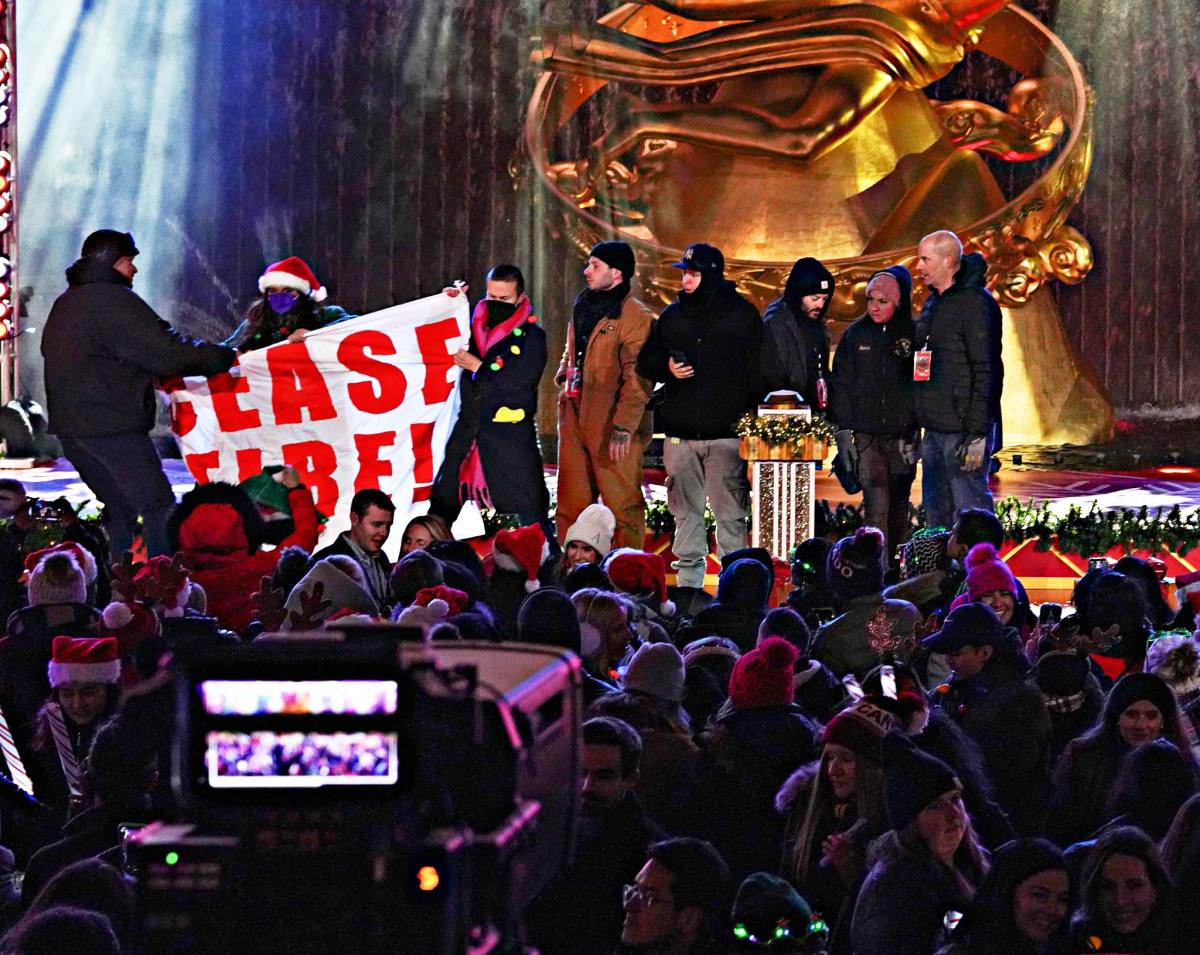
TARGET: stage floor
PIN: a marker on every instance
(1152, 487)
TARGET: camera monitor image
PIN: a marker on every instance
(299, 734)
(298, 697)
(267, 759)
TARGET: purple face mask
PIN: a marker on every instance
(282, 302)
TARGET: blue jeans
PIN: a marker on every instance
(945, 487)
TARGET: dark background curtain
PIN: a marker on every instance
(374, 139)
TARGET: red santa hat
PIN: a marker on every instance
(523, 551)
(293, 272)
(1187, 586)
(83, 557)
(639, 573)
(129, 623)
(452, 597)
(84, 660)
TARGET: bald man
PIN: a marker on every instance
(957, 377)
(872, 403)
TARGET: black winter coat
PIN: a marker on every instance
(795, 352)
(962, 327)
(872, 387)
(103, 348)
(1007, 718)
(745, 758)
(721, 336)
(508, 448)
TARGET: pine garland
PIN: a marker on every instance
(783, 429)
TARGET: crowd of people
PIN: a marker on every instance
(884, 751)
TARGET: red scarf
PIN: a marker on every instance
(487, 338)
(472, 483)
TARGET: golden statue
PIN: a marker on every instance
(819, 140)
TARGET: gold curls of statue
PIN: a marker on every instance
(782, 128)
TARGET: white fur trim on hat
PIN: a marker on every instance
(287, 280)
(108, 672)
(116, 615)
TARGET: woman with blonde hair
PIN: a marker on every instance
(422, 531)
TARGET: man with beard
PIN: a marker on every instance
(602, 422)
(705, 347)
(492, 455)
(795, 346)
(581, 912)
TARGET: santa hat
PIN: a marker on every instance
(83, 557)
(428, 609)
(1176, 658)
(57, 579)
(522, 551)
(986, 572)
(84, 660)
(293, 272)
(452, 597)
(1188, 586)
(763, 676)
(595, 527)
(129, 623)
(640, 574)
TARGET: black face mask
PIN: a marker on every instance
(499, 312)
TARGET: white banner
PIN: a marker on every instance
(364, 403)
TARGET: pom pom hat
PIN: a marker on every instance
(523, 551)
(84, 660)
(860, 728)
(57, 579)
(763, 676)
(986, 572)
(294, 273)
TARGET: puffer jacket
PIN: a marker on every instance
(962, 328)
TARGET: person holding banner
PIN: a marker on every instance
(102, 349)
(289, 308)
(603, 425)
(492, 455)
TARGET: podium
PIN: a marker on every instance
(781, 446)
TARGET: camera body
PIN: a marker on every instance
(351, 793)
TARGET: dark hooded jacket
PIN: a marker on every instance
(962, 327)
(872, 388)
(720, 332)
(741, 604)
(103, 348)
(795, 349)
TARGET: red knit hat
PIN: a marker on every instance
(522, 550)
(987, 572)
(84, 660)
(860, 728)
(293, 272)
(639, 573)
(763, 676)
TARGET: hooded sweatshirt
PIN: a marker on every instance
(961, 326)
(103, 347)
(872, 387)
(795, 348)
(720, 333)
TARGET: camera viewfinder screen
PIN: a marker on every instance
(298, 697)
(272, 760)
